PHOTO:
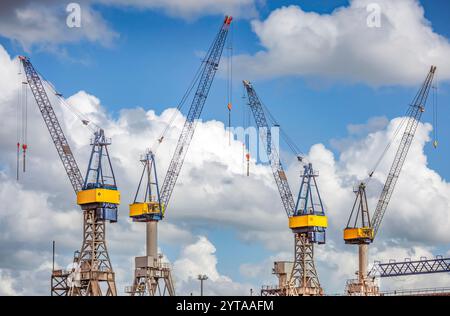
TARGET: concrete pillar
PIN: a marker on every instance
(152, 239)
(363, 261)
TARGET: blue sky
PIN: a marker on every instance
(156, 54)
(154, 59)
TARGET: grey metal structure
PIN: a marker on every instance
(370, 226)
(59, 285)
(410, 267)
(415, 113)
(303, 279)
(210, 67)
(149, 270)
(53, 126)
(443, 291)
(152, 277)
(282, 270)
(202, 278)
(92, 266)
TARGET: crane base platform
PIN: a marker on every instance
(366, 287)
(151, 278)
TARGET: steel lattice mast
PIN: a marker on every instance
(307, 218)
(364, 230)
(149, 269)
(211, 65)
(151, 276)
(416, 110)
(53, 126)
(97, 196)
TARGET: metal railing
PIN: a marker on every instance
(410, 267)
(412, 292)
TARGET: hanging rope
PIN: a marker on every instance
(83, 118)
(285, 137)
(18, 119)
(435, 114)
(246, 141)
(160, 139)
(386, 149)
(230, 81)
(24, 122)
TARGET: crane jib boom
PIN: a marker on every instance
(210, 67)
(53, 126)
(277, 168)
(417, 108)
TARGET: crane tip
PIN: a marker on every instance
(228, 19)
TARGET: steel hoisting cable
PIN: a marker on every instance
(386, 149)
(289, 142)
(244, 125)
(18, 115)
(399, 127)
(180, 105)
(83, 118)
(230, 81)
(435, 114)
(24, 123)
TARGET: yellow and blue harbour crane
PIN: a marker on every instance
(306, 216)
(97, 196)
(149, 269)
(361, 229)
(150, 209)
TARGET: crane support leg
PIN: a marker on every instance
(304, 280)
(152, 238)
(152, 277)
(94, 274)
(365, 285)
(363, 261)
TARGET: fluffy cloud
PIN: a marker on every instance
(340, 45)
(192, 8)
(6, 284)
(199, 258)
(43, 23)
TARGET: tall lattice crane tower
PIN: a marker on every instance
(306, 216)
(361, 229)
(151, 275)
(97, 194)
(149, 269)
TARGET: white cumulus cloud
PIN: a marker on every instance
(341, 47)
(43, 23)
